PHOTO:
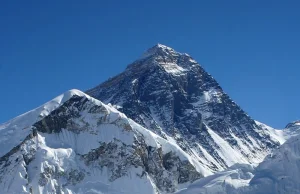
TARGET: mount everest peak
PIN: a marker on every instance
(155, 128)
(172, 95)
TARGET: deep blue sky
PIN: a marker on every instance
(251, 47)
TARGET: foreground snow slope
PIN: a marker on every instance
(76, 144)
(231, 181)
(279, 173)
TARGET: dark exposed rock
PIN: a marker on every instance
(72, 176)
(120, 158)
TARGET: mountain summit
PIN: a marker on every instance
(169, 93)
(164, 56)
(159, 49)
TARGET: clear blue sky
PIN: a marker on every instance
(251, 47)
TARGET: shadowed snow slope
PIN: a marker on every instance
(76, 144)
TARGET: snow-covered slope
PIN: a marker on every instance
(275, 134)
(279, 173)
(281, 135)
(171, 94)
(233, 180)
(76, 144)
(14, 131)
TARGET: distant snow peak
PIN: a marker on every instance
(293, 124)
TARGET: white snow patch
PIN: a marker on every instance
(228, 153)
(280, 135)
(237, 176)
(173, 68)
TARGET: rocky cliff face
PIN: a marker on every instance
(84, 145)
(171, 94)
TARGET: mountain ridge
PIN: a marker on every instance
(82, 141)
